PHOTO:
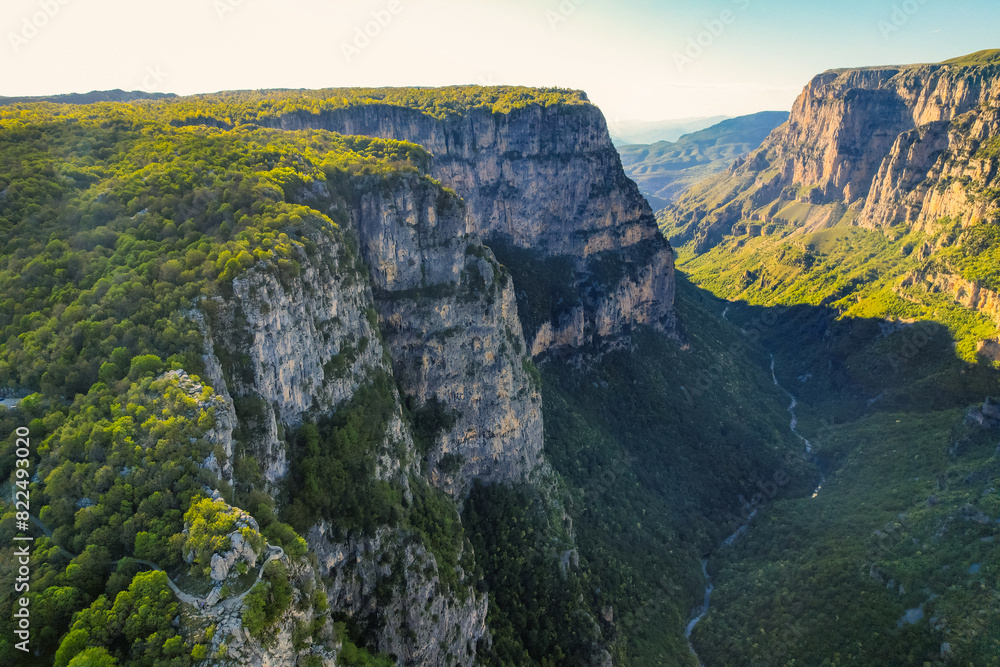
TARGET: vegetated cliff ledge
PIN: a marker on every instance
(365, 348)
(295, 349)
(891, 146)
(541, 183)
(400, 290)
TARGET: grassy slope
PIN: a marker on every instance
(987, 57)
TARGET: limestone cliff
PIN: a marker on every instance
(451, 326)
(891, 145)
(421, 622)
(403, 285)
(295, 345)
(545, 179)
(401, 288)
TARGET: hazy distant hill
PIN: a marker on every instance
(628, 132)
(89, 98)
(664, 170)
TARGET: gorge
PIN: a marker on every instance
(409, 377)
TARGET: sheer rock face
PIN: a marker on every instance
(424, 300)
(548, 180)
(407, 287)
(449, 316)
(423, 622)
(287, 337)
(965, 292)
(897, 145)
(885, 140)
(450, 320)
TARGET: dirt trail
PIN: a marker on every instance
(201, 605)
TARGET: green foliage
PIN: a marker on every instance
(132, 456)
(353, 656)
(285, 536)
(989, 149)
(538, 615)
(884, 366)
(147, 364)
(979, 58)
(136, 629)
(824, 565)
(976, 255)
(545, 285)
(534, 375)
(209, 524)
(333, 465)
(430, 420)
(117, 221)
(264, 606)
(858, 273)
(670, 489)
(450, 463)
(260, 107)
(434, 517)
(333, 477)
(94, 657)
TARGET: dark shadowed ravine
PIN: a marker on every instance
(702, 610)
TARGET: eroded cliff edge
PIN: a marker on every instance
(541, 184)
(886, 146)
(910, 152)
(435, 283)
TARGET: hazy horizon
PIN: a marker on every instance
(646, 60)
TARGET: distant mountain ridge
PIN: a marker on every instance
(630, 132)
(92, 97)
(665, 170)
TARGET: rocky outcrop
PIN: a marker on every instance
(546, 179)
(239, 551)
(967, 293)
(230, 643)
(402, 288)
(450, 320)
(393, 584)
(295, 344)
(896, 145)
(220, 461)
(406, 285)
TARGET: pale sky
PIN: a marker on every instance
(637, 59)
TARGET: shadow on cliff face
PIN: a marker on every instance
(842, 369)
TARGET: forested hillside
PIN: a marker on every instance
(116, 225)
(863, 242)
(283, 405)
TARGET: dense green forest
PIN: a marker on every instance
(118, 221)
(894, 560)
(650, 495)
(115, 222)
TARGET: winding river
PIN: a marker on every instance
(702, 610)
